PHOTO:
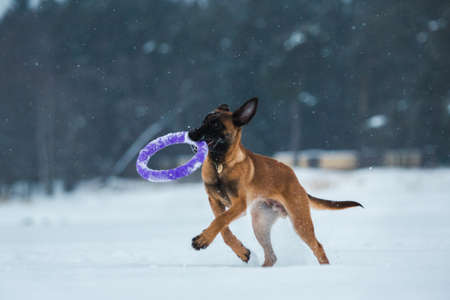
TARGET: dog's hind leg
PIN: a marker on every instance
(299, 212)
(228, 237)
(263, 217)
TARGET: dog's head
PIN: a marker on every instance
(221, 128)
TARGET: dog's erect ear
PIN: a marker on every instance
(245, 113)
(223, 107)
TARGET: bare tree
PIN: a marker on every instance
(296, 130)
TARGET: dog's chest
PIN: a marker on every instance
(222, 189)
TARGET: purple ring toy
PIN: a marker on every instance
(172, 174)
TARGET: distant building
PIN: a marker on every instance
(351, 159)
(336, 159)
(403, 158)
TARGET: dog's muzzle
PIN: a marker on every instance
(195, 135)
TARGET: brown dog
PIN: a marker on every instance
(235, 178)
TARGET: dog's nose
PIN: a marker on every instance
(194, 135)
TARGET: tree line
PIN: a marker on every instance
(81, 80)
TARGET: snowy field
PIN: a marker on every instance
(132, 240)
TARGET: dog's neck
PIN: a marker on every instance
(233, 154)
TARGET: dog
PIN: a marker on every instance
(236, 178)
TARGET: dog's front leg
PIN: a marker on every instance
(228, 237)
(220, 222)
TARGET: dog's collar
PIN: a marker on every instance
(240, 156)
(219, 167)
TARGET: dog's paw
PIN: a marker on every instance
(245, 256)
(199, 242)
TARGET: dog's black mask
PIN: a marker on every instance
(212, 131)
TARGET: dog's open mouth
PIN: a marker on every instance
(213, 142)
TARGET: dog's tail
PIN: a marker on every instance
(318, 203)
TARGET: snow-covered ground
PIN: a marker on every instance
(132, 240)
